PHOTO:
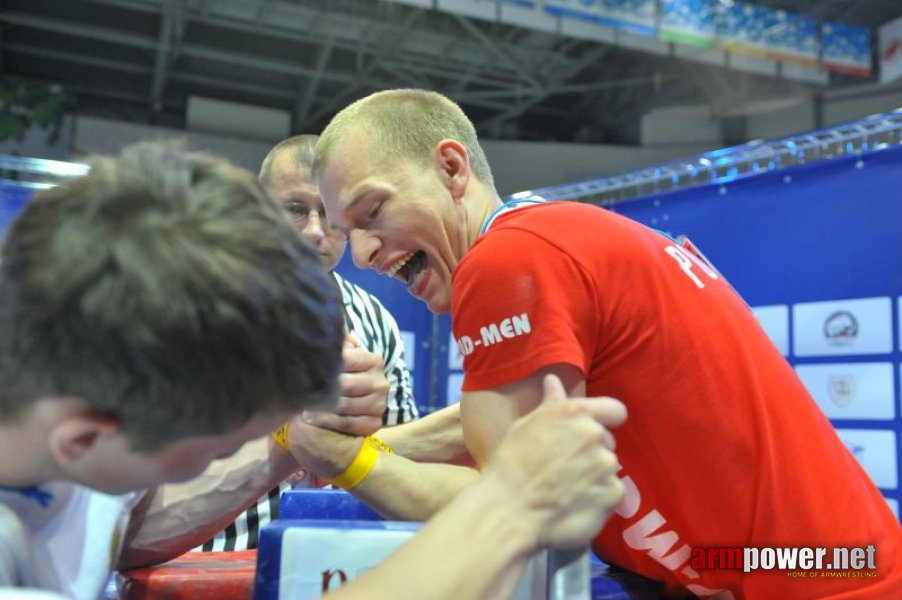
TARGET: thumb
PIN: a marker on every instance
(351, 340)
(552, 389)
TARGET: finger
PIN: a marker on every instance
(357, 425)
(357, 360)
(553, 389)
(607, 411)
(351, 340)
(363, 384)
(366, 405)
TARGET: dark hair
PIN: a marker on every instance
(168, 290)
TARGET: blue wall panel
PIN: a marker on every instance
(820, 235)
(12, 198)
(825, 230)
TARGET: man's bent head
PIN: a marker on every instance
(167, 292)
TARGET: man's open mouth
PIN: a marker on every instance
(413, 268)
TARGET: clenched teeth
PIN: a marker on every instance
(394, 270)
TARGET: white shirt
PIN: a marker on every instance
(61, 537)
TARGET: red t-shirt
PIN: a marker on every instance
(723, 447)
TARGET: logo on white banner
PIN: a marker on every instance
(890, 51)
(842, 389)
(841, 328)
(857, 451)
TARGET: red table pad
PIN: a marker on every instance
(193, 576)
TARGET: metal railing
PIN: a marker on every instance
(36, 173)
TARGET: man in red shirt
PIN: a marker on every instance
(719, 446)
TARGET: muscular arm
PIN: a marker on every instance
(173, 518)
(397, 488)
(476, 548)
(487, 415)
(437, 437)
(479, 545)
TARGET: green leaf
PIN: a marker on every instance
(12, 126)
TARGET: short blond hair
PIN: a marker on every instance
(405, 123)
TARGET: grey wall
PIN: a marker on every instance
(519, 166)
(668, 133)
(94, 135)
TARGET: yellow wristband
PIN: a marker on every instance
(362, 465)
(380, 445)
(281, 436)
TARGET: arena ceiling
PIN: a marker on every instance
(140, 60)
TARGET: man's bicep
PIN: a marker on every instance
(486, 415)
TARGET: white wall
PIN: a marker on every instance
(34, 143)
(838, 109)
(793, 119)
(680, 125)
(516, 165)
(695, 124)
(245, 121)
(519, 166)
(94, 135)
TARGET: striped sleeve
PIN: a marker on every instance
(377, 331)
(244, 532)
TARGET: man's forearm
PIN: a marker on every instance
(399, 488)
(476, 548)
(174, 518)
(437, 437)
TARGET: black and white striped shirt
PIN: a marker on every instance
(376, 331)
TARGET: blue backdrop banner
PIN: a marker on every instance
(815, 252)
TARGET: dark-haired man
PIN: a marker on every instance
(161, 313)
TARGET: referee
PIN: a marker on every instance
(285, 173)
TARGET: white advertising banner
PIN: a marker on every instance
(851, 390)
(890, 51)
(843, 327)
(409, 339)
(319, 559)
(455, 358)
(894, 506)
(875, 449)
(455, 380)
(775, 322)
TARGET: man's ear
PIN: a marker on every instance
(75, 435)
(453, 163)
